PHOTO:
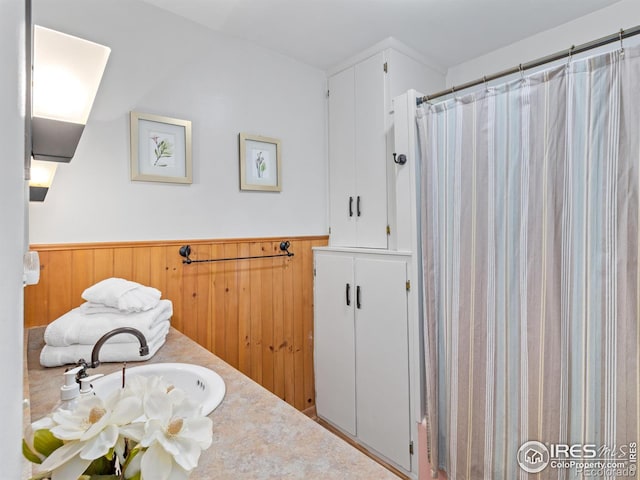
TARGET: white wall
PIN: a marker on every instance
(624, 14)
(12, 212)
(163, 64)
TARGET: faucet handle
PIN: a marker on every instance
(82, 365)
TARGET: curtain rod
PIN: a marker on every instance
(616, 37)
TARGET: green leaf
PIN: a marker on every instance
(45, 442)
(110, 454)
(100, 466)
(28, 454)
(132, 454)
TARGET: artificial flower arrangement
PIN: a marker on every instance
(148, 430)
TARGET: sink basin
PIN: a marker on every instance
(201, 385)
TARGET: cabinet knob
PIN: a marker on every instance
(358, 212)
(358, 305)
(348, 294)
(351, 206)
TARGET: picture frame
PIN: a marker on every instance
(160, 149)
(260, 163)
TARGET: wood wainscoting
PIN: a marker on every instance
(256, 314)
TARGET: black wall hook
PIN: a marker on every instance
(401, 159)
(185, 251)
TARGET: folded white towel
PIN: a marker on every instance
(115, 352)
(122, 294)
(77, 327)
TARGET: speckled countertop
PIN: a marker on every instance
(256, 435)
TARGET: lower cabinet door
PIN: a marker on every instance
(382, 358)
(361, 350)
(334, 349)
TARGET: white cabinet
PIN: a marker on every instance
(361, 349)
(357, 152)
(361, 170)
(367, 358)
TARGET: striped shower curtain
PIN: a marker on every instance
(530, 216)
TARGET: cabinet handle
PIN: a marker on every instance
(348, 294)
(358, 296)
(358, 206)
(351, 206)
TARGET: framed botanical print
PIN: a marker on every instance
(160, 149)
(260, 163)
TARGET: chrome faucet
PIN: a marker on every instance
(95, 362)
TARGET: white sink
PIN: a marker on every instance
(201, 385)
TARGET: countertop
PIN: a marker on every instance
(256, 435)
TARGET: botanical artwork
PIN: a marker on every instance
(261, 160)
(161, 147)
(259, 163)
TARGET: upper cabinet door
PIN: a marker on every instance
(357, 154)
(342, 185)
(371, 167)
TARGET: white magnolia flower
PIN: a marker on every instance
(174, 436)
(90, 431)
(154, 393)
(164, 432)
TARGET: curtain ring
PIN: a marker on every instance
(521, 72)
(621, 45)
(570, 55)
(486, 84)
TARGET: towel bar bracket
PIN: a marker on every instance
(185, 251)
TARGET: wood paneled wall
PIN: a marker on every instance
(255, 314)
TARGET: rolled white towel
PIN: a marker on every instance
(122, 294)
(78, 327)
(110, 352)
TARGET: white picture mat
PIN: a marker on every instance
(269, 174)
(176, 165)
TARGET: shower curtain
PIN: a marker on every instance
(531, 278)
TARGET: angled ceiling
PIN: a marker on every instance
(323, 33)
